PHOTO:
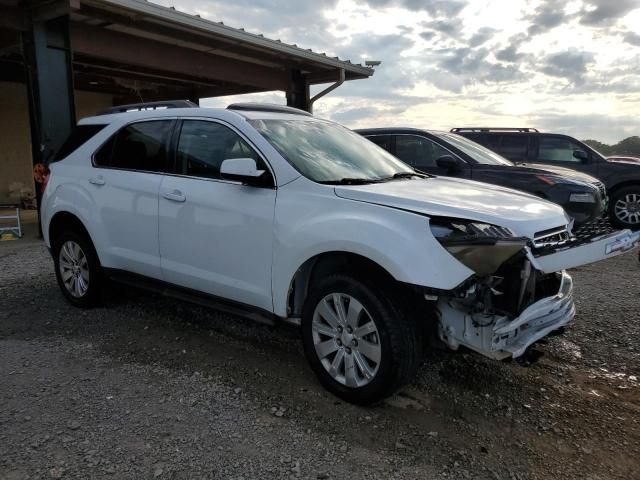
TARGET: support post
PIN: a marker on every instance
(47, 58)
(298, 95)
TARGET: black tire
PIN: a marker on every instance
(397, 336)
(91, 296)
(614, 214)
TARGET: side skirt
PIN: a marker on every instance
(192, 296)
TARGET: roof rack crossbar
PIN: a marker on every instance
(267, 107)
(494, 129)
(137, 107)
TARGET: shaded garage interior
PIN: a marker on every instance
(63, 60)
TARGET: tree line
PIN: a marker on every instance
(628, 147)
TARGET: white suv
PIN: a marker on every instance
(270, 212)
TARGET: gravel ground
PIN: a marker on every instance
(148, 387)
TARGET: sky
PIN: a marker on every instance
(561, 66)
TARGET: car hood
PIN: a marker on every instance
(541, 169)
(450, 197)
(631, 160)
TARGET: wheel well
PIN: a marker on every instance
(621, 185)
(63, 221)
(324, 264)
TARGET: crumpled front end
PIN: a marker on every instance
(465, 321)
(521, 291)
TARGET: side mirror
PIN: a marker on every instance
(242, 170)
(581, 155)
(449, 163)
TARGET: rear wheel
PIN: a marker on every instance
(624, 209)
(359, 343)
(77, 269)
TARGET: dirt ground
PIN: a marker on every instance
(148, 387)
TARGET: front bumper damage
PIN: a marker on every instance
(502, 336)
(527, 299)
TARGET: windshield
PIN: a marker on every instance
(326, 152)
(476, 151)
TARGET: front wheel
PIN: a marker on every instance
(359, 343)
(624, 209)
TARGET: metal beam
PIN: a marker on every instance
(137, 51)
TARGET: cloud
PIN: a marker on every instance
(482, 36)
(602, 13)
(547, 16)
(590, 125)
(571, 64)
(435, 8)
(632, 38)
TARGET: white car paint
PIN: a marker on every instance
(247, 243)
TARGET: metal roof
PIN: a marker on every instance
(144, 10)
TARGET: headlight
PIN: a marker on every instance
(479, 246)
(582, 198)
(558, 180)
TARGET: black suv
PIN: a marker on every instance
(621, 176)
(442, 153)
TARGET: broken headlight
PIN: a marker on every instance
(479, 246)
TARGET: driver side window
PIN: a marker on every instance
(419, 152)
(558, 149)
(203, 146)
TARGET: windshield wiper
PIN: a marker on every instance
(400, 175)
(351, 181)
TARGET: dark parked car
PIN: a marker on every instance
(621, 175)
(444, 153)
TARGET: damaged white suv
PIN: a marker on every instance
(272, 213)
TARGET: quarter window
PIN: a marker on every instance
(139, 146)
(203, 146)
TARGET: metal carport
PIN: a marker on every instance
(74, 57)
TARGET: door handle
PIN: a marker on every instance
(97, 180)
(174, 196)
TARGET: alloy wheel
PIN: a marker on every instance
(627, 209)
(74, 269)
(346, 340)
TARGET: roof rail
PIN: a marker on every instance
(493, 129)
(138, 107)
(267, 107)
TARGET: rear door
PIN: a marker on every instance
(124, 183)
(216, 235)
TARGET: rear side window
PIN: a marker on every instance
(514, 147)
(79, 136)
(203, 146)
(383, 141)
(139, 146)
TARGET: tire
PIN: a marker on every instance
(395, 341)
(624, 207)
(73, 253)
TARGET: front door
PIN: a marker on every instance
(216, 235)
(422, 154)
(561, 151)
